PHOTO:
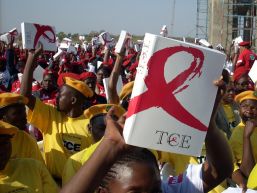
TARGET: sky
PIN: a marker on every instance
(83, 16)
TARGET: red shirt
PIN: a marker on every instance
(245, 61)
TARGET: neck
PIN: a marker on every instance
(75, 112)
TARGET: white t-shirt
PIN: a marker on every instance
(188, 182)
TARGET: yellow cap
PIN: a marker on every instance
(249, 94)
(7, 129)
(126, 90)
(7, 99)
(79, 86)
(103, 109)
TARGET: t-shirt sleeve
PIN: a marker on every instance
(41, 116)
(70, 169)
(189, 181)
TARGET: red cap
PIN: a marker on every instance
(60, 80)
(86, 75)
(244, 43)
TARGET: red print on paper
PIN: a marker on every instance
(162, 94)
(41, 31)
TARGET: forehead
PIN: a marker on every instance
(249, 102)
(90, 80)
(138, 176)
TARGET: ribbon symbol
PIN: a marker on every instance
(13, 32)
(41, 31)
(106, 39)
(162, 94)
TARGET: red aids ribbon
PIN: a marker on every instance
(105, 38)
(41, 31)
(162, 94)
(13, 32)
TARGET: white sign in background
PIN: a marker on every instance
(32, 34)
(155, 128)
(253, 72)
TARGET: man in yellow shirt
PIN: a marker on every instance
(21, 174)
(248, 113)
(96, 126)
(63, 128)
(12, 110)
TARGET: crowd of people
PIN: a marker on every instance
(81, 128)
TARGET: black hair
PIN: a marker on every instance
(129, 157)
(98, 126)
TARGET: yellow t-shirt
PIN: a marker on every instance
(63, 136)
(24, 146)
(178, 162)
(236, 143)
(252, 180)
(25, 175)
(229, 112)
(75, 162)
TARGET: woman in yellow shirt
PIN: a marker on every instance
(21, 174)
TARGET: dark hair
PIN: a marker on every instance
(128, 158)
(98, 126)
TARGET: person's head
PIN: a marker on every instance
(12, 109)
(96, 115)
(101, 73)
(229, 95)
(49, 82)
(244, 45)
(242, 83)
(7, 131)
(135, 170)
(248, 105)
(2, 64)
(90, 79)
(72, 95)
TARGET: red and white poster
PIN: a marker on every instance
(33, 33)
(173, 95)
(9, 35)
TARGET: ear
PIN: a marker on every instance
(74, 100)
(89, 127)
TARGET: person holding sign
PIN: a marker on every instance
(112, 157)
(63, 127)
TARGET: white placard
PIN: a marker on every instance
(253, 72)
(58, 54)
(168, 110)
(118, 87)
(72, 49)
(7, 36)
(33, 33)
(238, 190)
(124, 41)
(38, 73)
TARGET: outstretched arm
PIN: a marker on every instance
(248, 161)
(27, 77)
(218, 165)
(112, 84)
(100, 161)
